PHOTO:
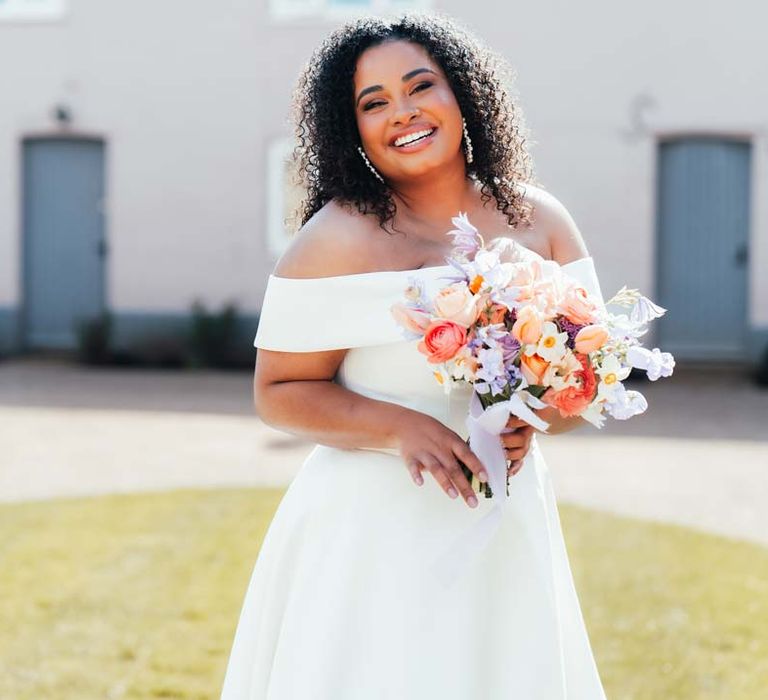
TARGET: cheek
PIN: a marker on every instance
(372, 130)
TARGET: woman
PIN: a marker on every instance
(401, 124)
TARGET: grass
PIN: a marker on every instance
(138, 596)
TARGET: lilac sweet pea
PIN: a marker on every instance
(655, 363)
(466, 239)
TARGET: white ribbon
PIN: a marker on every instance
(485, 426)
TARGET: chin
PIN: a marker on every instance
(425, 167)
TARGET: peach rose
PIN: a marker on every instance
(533, 368)
(456, 303)
(572, 400)
(527, 327)
(590, 338)
(415, 320)
(578, 307)
(442, 340)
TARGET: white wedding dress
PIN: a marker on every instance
(342, 603)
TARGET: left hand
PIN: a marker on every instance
(516, 443)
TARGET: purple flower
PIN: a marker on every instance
(509, 346)
(570, 328)
(513, 374)
(466, 240)
(475, 344)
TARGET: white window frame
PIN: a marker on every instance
(290, 10)
(33, 10)
(277, 153)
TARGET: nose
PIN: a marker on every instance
(405, 112)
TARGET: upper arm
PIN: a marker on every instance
(565, 240)
(328, 244)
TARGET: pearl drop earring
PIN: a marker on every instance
(368, 163)
(467, 141)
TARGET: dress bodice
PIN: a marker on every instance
(353, 312)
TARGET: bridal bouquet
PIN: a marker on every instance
(527, 335)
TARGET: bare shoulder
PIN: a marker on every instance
(335, 241)
(551, 217)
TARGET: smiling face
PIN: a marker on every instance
(400, 94)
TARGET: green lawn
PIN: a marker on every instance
(137, 597)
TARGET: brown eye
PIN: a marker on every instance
(422, 86)
(373, 104)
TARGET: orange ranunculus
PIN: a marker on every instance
(533, 367)
(590, 338)
(572, 400)
(527, 327)
(415, 320)
(442, 340)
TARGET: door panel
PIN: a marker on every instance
(64, 243)
(703, 234)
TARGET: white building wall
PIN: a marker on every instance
(190, 95)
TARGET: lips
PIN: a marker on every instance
(412, 130)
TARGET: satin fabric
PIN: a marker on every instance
(342, 603)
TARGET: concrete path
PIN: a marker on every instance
(699, 457)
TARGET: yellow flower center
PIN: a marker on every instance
(549, 341)
(475, 284)
(610, 378)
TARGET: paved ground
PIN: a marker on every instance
(699, 457)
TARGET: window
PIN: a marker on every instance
(340, 9)
(283, 196)
(32, 10)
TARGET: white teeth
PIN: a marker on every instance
(413, 137)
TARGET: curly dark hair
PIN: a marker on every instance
(325, 157)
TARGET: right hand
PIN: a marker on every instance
(426, 443)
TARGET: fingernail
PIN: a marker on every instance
(452, 492)
(472, 501)
(483, 476)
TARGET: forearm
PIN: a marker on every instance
(327, 413)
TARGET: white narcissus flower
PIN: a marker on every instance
(611, 374)
(464, 365)
(551, 345)
(562, 373)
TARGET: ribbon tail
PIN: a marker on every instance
(484, 429)
(519, 407)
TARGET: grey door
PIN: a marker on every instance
(64, 244)
(702, 247)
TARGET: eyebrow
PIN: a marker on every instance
(406, 78)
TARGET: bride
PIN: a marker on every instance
(401, 124)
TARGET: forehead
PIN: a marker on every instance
(390, 61)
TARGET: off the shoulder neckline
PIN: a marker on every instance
(429, 268)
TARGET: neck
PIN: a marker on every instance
(431, 201)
